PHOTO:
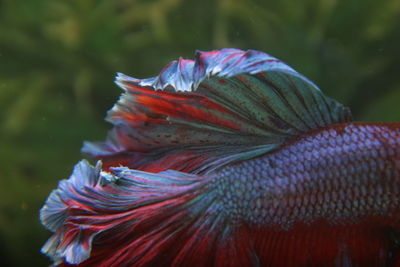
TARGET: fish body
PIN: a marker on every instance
(338, 174)
(323, 198)
(233, 159)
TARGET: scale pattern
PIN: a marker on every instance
(341, 174)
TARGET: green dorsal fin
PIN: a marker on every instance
(225, 106)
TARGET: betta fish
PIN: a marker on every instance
(230, 159)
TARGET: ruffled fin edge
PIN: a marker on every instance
(130, 217)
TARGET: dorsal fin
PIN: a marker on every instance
(225, 106)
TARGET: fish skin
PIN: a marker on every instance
(337, 188)
(340, 174)
(321, 191)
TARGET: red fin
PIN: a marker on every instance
(182, 160)
(152, 133)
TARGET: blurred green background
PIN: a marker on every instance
(58, 59)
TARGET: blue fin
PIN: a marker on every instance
(135, 218)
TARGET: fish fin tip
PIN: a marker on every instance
(56, 210)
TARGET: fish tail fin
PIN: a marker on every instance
(129, 217)
(225, 106)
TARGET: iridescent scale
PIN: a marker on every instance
(340, 174)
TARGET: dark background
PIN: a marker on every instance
(58, 59)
